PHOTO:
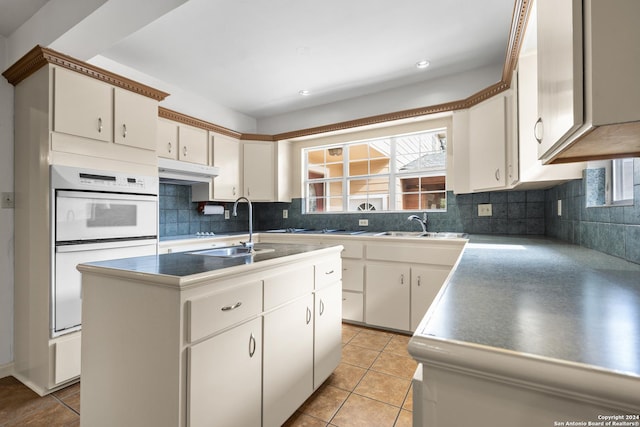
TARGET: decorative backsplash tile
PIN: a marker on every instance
(613, 230)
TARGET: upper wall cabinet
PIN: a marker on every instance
(181, 142)
(135, 119)
(482, 135)
(588, 66)
(226, 156)
(82, 106)
(266, 170)
(89, 108)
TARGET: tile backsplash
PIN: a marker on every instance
(613, 230)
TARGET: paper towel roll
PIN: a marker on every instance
(213, 210)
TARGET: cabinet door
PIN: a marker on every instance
(228, 365)
(387, 295)
(327, 350)
(193, 145)
(226, 156)
(82, 106)
(560, 71)
(167, 139)
(425, 285)
(287, 359)
(352, 275)
(135, 119)
(258, 171)
(487, 150)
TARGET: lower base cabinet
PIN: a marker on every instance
(228, 365)
(288, 354)
(328, 332)
(388, 294)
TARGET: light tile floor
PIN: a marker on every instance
(371, 388)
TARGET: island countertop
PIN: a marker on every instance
(514, 300)
(183, 269)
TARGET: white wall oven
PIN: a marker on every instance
(96, 216)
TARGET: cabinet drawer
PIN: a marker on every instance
(352, 250)
(287, 286)
(327, 272)
(217, 311)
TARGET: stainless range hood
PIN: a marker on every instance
(184, 173)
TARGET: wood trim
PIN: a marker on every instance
(175, 116)
(40, 56)
(257, 137)
(519, 21)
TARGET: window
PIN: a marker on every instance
(622, 181)
(404, 172)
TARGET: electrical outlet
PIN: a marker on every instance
(285, 213)
(363, 222)
(485, 209)
(559, 207)
(8, 201)
(226, 214)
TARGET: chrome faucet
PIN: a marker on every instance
(248, 244)
(424, 222)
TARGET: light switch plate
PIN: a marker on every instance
(559, 207)
(363, 222)
(285, 213)
(485, 209)
(226, 214)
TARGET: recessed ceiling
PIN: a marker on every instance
(256, 56)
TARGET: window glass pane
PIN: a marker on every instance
(316, 164)
(421, 152)
(622, 179)
(417, 193)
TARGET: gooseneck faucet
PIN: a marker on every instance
(248, 244)
(424, 222)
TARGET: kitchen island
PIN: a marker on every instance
(531, 332)
(190, 339)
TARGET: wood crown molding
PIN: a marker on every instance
(40, 56)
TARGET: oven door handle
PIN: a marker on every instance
(104, 245)
(105, 195)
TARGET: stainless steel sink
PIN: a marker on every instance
(401, 233)
(429, 234)
(231, 251)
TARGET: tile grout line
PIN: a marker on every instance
(60, 401)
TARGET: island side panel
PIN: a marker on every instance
(131, 354)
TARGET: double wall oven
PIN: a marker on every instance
(96, 216)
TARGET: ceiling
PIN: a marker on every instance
(255, 56)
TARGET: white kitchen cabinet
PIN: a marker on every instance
(388, 295)
(82, 106)
(193, 144)
(225, 378)
(259, 170)
(167, 139)
(560, 72)
(532, 171)
(287, 354)
(426, 282)
(487, 144)
(353, 306)
(226, 156)
(327, 347)
(588, 66)
(181, 142)
(135, 118)
(266, 170)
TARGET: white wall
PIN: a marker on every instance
(437, 91)
(6, 215)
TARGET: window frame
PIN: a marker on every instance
(391, 176)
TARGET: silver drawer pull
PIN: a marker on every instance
(321, 307)
(184, 151)
(169, 146)
(124, 130)
(328, 272)
(308, 315)
(99, 124)
(232, 307)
